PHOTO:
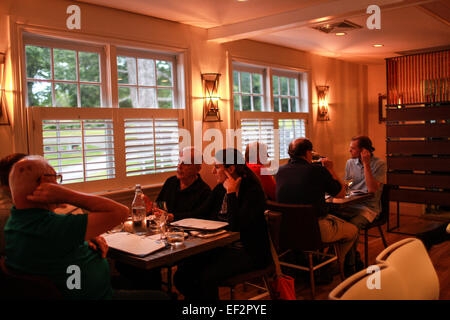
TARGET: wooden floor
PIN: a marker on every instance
(439, 254)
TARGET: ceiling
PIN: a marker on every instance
(406, 25)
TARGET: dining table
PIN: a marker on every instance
(339, 203)
(169, 256)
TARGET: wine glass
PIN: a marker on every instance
(161, 221)
(348, 184)
(152, 217)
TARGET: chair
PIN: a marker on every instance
(16, 286)
(363, 285)
(299, 231)
(378, 222)
(411, 259)
(273, 224)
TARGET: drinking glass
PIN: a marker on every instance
(348, 184)
(151, 218)
(175, 236)
(161, 221)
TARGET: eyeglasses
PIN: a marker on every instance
(57, 177)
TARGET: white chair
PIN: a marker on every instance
(362, 286)
(410, 258)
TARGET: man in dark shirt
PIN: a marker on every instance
(183, 193)
(186, 190)
(301, 182)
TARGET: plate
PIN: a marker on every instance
(199, 224)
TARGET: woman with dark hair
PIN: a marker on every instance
(239, 200)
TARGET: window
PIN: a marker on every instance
(151, 146)
(290, 129)
(285, 94)
(282, 109)
(62, 78)
(258, 130)
(248, 91)
(145, 83)
(80, 150)
(97, 137)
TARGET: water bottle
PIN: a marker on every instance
(138, 211)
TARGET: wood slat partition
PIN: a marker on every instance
(419, 147)
(419, 180)
(420, 196)
(418, 128)
(417, 113)
(419, 163)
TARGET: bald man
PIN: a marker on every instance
(185, 191)
(38, 241)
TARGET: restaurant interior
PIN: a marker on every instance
(238, 71)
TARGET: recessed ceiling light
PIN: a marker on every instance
(378, 45)
(340, 33)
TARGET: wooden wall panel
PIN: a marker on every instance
(418, 130)
(419, 180)
(418, 147)
(419, 163)
(418, 113)
(419, 196)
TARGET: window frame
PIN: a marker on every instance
(48, 42)
(263, 94)
(136, 53)
(109, 49)
(270, 70)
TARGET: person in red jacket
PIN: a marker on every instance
(256, 158)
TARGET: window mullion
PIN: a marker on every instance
(52, 66)
(77, 70)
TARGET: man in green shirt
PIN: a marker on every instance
(40, 242)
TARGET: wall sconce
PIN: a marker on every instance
(322, 110)
(4, 118)
(211, 98)
(2, 69)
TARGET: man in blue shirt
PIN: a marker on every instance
(368, 175)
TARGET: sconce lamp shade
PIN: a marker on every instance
(2, 69)
(210, 82)
(322, 109)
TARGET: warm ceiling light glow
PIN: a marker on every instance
(378, 45)
(341, 33)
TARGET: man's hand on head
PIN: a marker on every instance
(365, 157)
(50, 193)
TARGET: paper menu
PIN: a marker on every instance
(133, 244)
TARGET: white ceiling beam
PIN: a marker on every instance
(315, 14)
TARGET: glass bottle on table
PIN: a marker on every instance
(138, 211)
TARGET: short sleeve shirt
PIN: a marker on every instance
(42, 242)
(354, 169)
